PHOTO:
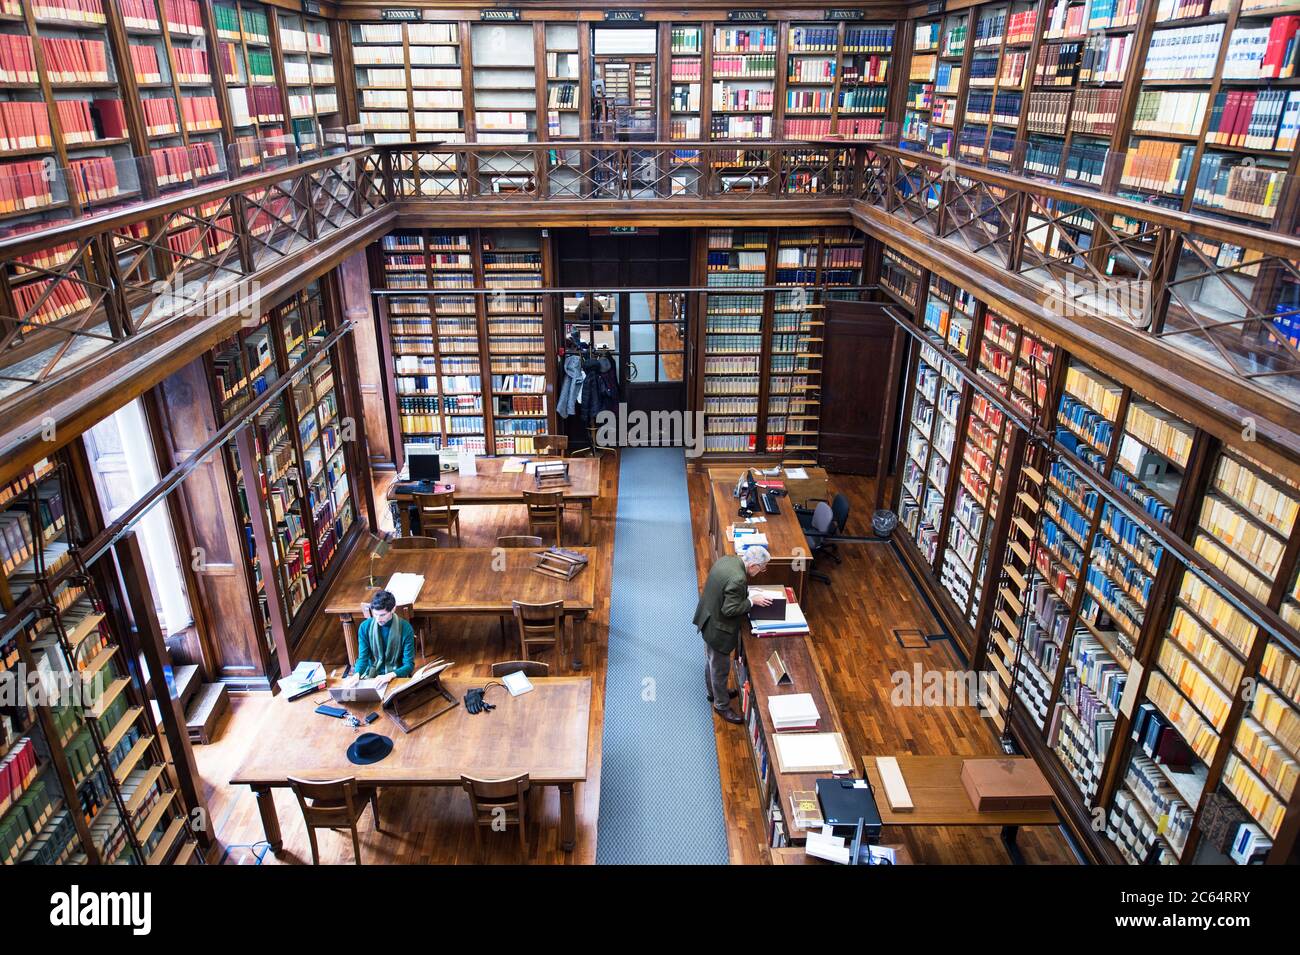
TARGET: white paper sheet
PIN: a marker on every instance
(405, 588)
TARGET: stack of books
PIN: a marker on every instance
(793, 711)
(791, 624)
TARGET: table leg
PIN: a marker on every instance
(586, 522)
(265, 796)
(568, 817)
(574, 628)
(1009, 841)
(349, 637)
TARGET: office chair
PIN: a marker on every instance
(822, 522)
(334, 804)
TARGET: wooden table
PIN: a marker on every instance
(465, 580)
(804, 492)
(492, 486)
(939, 799)
(542, 733)
(786, 542)
(806, 677)
(798, 855)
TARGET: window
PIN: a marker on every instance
(122, 460)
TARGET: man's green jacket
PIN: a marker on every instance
(723, 604)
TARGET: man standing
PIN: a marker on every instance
(723, 604)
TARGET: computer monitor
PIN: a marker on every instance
(747, 491)
(425, 466)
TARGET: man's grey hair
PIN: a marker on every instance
(756, 557)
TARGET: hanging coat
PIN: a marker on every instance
(572, 387)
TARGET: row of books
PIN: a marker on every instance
(1264, 52)
(89, 12)
(1069, 18)
(1170, 111)
(182, 16)
(751, 66)
(1234, 185)
(75, 61)
(252, 26)
(1255, 119)
(1189, 53)
(1158, 166)
(17, 59)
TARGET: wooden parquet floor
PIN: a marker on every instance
(852, 623)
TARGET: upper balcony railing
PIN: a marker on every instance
(620, 171)
(74, 287)
(1223, 292)
(74, 290)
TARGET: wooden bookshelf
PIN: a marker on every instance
(291, 477)
(95, 786)
(307, 60)
(470, 370)
(516, 337)
(1081, 597)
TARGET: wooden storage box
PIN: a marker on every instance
(1000, 784)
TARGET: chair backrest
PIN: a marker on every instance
(434, 502)
(539, 623)
(840, 508)
(413, 543)
(548, 443)
(823, 517)
(326, 803)
(519, 540)
(495, 793)
(531, 668)
(544, 502)
(538, 614)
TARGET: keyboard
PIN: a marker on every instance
(769, 503)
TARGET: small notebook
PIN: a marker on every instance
(517, 683)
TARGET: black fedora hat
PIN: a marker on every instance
(369, 748)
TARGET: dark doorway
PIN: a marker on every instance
(646, 330)
(855, 386)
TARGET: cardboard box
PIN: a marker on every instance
(1001, 784)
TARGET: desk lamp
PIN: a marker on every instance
(379, 551)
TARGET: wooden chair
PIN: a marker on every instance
(520, 540)
(556, 444)
(499, 799)
(545, 510)
(334, 804)
(539, 625)
(413, 543)
(437, 514)
(516, 541)
(531, 668)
